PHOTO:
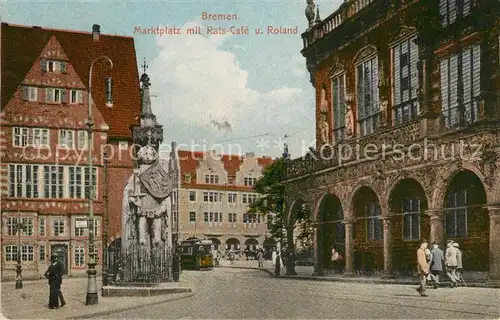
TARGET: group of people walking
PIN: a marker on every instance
(432, 262)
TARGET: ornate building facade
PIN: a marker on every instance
(407, 109)
(215, 193)
(45, 178)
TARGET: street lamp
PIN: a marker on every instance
(19, 267)
(105, 266)
(92, 296)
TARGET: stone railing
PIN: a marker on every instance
(354, 149)
(344, 12)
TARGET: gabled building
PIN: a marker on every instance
(407, 114)
(44, 148)
(216, 191)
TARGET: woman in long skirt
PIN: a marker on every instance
(53, 275)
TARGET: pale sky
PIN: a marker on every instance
(257, 83)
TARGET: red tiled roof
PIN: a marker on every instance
(22, 45)
(189, 162)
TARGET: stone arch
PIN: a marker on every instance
(293, 208)
(233, 244)
(331, 231)
(350, 213)
(216, 243)
(466, 218)
(408, 203)
(407, 176)
(446, 175)
(367, 229)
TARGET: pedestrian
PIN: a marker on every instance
(450, 261)
(458, 272)
(260, 259)
(277, 265)
(217, 258)
(61, 273)
(436, 264)
(423, 267)
(428, 256)
(273, 257)
(336, 261)
(53, 274)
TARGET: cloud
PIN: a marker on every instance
(197, 81)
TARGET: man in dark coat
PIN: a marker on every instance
(436, 263)
(54, 275)
(277, 264)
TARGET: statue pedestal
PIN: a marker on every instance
(136, 290)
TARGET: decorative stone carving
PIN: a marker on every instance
(337, 67)
(402, 32)
(349, 116)
(324, 128)
(310, 12)
(323, 101)
(364, 53)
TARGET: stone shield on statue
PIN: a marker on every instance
(158, 181)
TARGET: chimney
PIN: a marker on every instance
(96, 31)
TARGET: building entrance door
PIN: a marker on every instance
(61, 250)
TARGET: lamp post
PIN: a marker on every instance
(105, 271)
(19, 267)
(91, 296)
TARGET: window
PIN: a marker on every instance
(83, 139)
(97, 227)
(41, 252)
(87, 183)
(187, 178)
(450, 10)
(20, 137)
(123, 145)
(367, 96)
(212, 196)
(11, 253)
(79, 256)
(460, 87)
(27, 253)
(55, 95)
(29, 93)
(23, 181)
(67, 138)
(58, 227)
(456, 213)
(76, 96)
(405, 84)
(53, 66)
(338, 99)
(249, 198)
(192, 196)
(374, 224)
(249, 181)
(411, 219)
(212, 179)
(80, 226)
(205, 215)
(75, 182)
(231, 197)
(213, 217)
(11, 226)
(41, 226)
(192, 217)
(231, 217)
(40, 137)
(33, 137)
(53, 181)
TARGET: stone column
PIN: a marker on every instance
(494, 244)
(290, 266)
(387, 247)
(349, 249)
(318, 270)
(437, 227)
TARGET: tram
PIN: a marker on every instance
(196, 254)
